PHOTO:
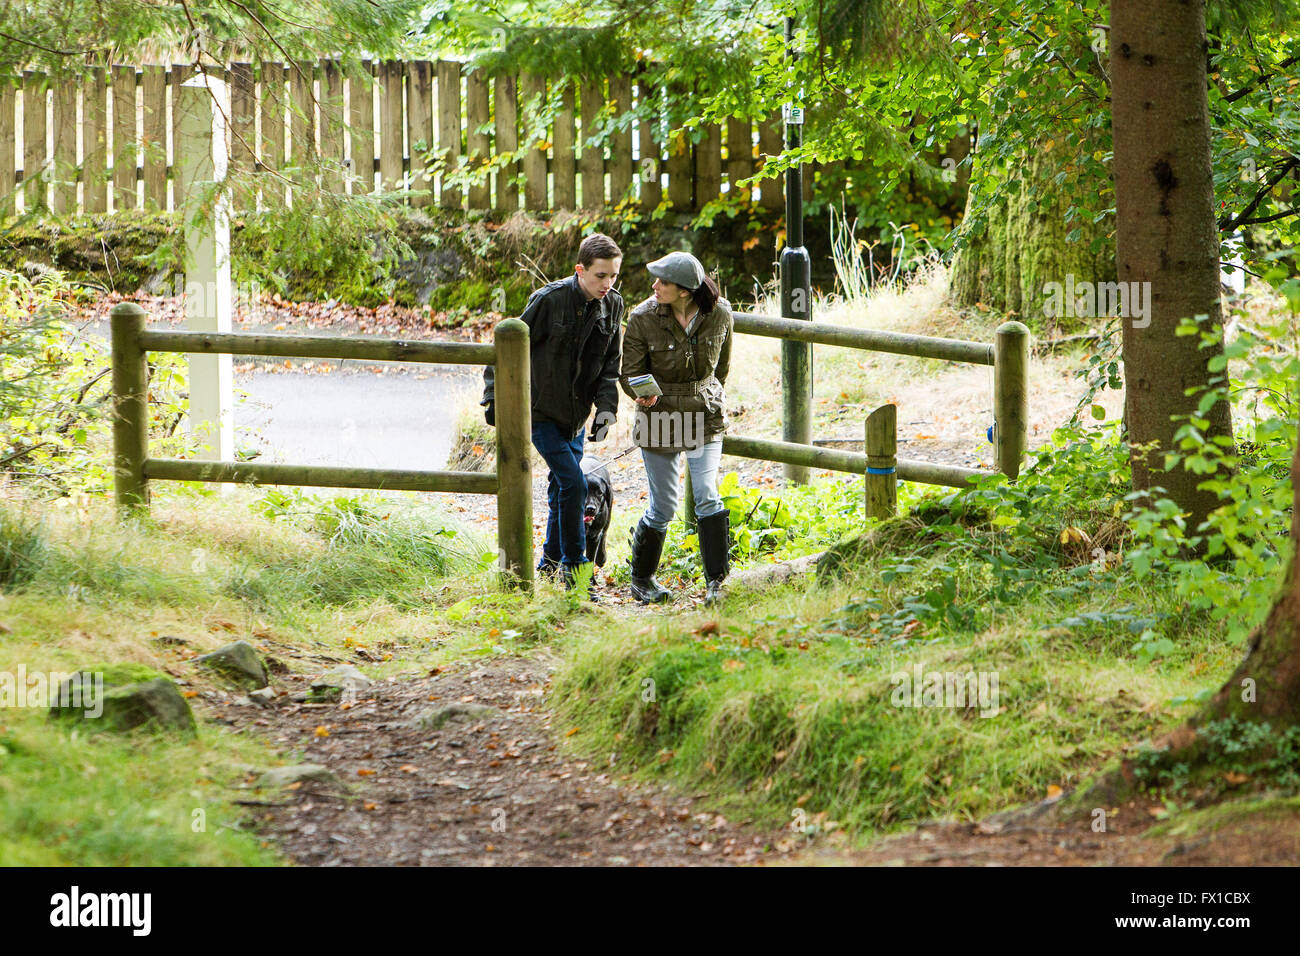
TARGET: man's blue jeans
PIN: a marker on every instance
(566, 494)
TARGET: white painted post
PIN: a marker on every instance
(1234, 279)
(203, 153)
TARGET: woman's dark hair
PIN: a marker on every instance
(706, 296)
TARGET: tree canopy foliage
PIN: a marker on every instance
(887, 84)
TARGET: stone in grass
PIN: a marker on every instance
(95, 698)
(437, 717)
(237, 663)
(299, 773)
(335, 682)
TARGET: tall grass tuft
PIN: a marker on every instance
(22, 549)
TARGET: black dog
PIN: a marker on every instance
(599, 506)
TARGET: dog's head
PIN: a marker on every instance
(598, 499)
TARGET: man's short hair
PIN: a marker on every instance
(597, 246)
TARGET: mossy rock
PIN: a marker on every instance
(237, 663)
(153, 705)
(126, 251)
(119, 675)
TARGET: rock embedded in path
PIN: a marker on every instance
(299, 773)
(337, 682)
(237, 663)
(437, 717)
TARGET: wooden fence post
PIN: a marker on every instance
(620, 144)
(333, 122)
(514, 461)
(478, 145)
(449, 132)
(1010, 396)
(361, 112)
(124, 138)
(740, 154)
(650, 167)
(390, 74)
(8, 144)
(94, 133)
(505, 116)
(708, 166)
(882, 462)
(563, 158)
(419, 129)
(532, 90)
(591, 157)
(130, 408)
(34, 174)
(153, 139)
(63, 161)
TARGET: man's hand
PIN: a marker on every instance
(648, 402)
(490, 414)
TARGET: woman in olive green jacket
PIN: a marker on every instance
(682, 337)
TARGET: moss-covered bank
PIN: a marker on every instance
(447, 259)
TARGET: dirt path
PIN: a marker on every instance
(490, 787)
(1257, 839)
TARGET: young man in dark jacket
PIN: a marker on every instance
(574, 340)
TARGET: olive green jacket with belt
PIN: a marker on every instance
(691, 370)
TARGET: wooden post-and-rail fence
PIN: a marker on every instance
(106, 140)
(879, 463)
(512, 483)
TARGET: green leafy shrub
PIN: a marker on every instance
(1227, 567)
(56, 391)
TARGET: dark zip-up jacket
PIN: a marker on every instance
(575, 347)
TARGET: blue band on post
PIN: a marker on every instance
(879, 471)
(990, 434)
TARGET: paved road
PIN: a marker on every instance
(353, 418)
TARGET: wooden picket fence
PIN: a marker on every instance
(106, 143)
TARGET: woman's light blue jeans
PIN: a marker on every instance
(665, 489)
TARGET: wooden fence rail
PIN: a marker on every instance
(1009, 356)
(108, 141)
(512, 484)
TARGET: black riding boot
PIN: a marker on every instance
(647, 548)
(715, 537)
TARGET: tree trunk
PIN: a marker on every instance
(1023, 247)
(1165, 229)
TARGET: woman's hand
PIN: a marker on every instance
(648, 402)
